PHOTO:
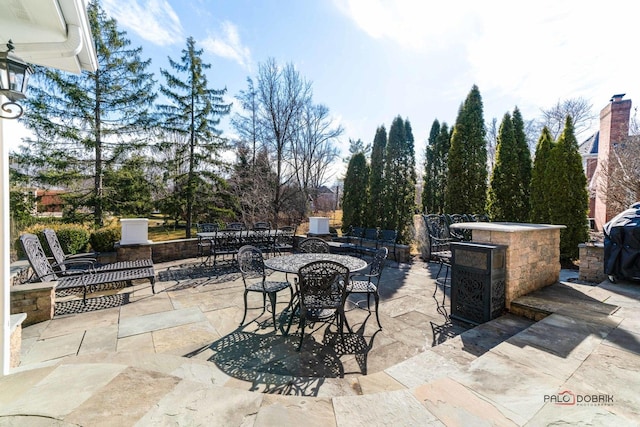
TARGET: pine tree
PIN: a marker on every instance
(539, 197)
(442, 155)
(467, 161)
(193, 112)
(375, 211)
(524, 169)
(429, 187)
(504, 200)
(354, 196)
(568, 196)
(86, 123)
(399, 179)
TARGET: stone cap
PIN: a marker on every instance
(505, 227)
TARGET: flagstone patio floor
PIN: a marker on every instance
(180, 357)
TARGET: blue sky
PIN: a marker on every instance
(371, 60)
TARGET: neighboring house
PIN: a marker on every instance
(325, 199)
(614, 128)
(49, 202)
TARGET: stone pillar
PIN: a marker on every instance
(592, 262)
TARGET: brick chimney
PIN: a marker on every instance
(614, 128)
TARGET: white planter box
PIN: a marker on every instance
(318, 225)
(135, 231)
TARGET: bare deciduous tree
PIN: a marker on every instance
(618, 179)
(580, 110)
(313, 150)
(282, 96)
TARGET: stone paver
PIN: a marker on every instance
(180, 357)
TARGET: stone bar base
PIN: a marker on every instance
(592, 262)
(533, 253)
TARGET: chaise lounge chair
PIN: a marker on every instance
(87, 281)
(78, 263)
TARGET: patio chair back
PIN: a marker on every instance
(251, 263)
(236, 226)
(314, 245)
(59, 256)
(283, 240)
(206, 227)
(37, 258)
(322, 285)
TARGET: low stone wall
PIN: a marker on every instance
(36, 300)
(592, 262)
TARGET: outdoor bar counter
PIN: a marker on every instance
(533, 253)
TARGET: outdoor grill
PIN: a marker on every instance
(622, 245)
(477, 281)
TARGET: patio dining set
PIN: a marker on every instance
(216, 243)
(321, 287)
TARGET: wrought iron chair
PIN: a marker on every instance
(261, 237)
(313, 245)
(251, 264)
(236, 226)
(283, 239)
(81, 263)
(87, 281)
(439, 250)
(262, 224)
(205, 243)
(322, 292)
(389, 239)
(226, 242)
(360, 283)
(61, 259)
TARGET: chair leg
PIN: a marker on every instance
(293, 310)
(302, 324)
(377, 298)
(437, 277)
(444, 285)
(264, 302)
(245, 308)
(272, 299)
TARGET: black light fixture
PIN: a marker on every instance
(14, 75)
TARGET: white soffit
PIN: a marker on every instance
(52, 33)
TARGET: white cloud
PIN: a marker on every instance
(153, 20)
(227, 44)
(533, 53)
(413, 24)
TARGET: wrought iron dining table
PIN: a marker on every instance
(292, 263)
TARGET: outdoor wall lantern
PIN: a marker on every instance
(14, 74)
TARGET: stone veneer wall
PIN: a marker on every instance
(533, 258)
(171, 250)
(36, 300)
(592, 262)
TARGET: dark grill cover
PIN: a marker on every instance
(622, 244)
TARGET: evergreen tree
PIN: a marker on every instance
(354, 195)
(442, 155)
(375, 210)
(568, 196)
(399, 179)
(193, 112)
(83, 124)
(540, 194)
(504, 200)
(429, 187)
(467, 161)
(129, 190)
(524, 168)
